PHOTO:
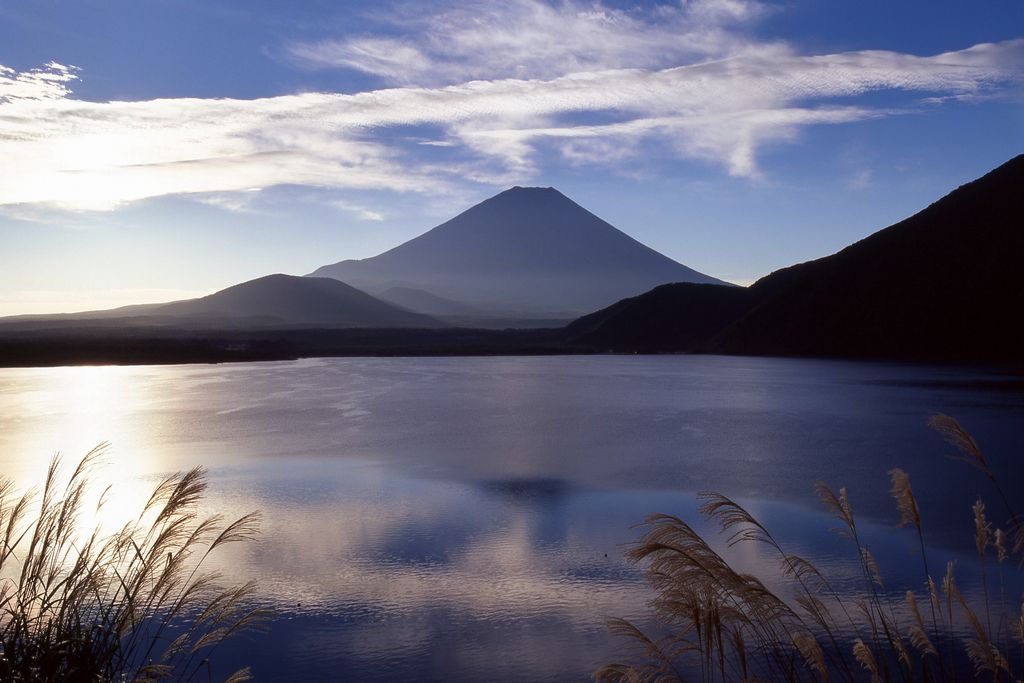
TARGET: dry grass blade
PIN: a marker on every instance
(730, 626)
(812, 653)
(154, 672)
(733, 518)
(92, 607)
(804, 572)
(985, 657)
(240, 676)
(817, 610)
(982, 528)
(982, 651)
(918, 632)
(955, 434)
(1018, 627)
(658, 666)
(933, 597)
(920, 640)
(874, 571)
(906, 504)
(618, 673)
(949, 582)
(837, 504)
(999, 542)
(245, 528)
(862, 653)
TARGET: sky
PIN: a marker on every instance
(153, 150)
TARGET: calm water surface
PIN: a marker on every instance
(464, 518)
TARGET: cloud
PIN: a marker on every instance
(234, 202)
(47, 83)
(359, 212)
(83, 155)
(483, 39)
(730, 137)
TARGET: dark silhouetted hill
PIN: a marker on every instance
(673, 317)
(944, 284)
(270, 301)
(524, 252)
(292, 300)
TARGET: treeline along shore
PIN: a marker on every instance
(164, 346)
(134, 346)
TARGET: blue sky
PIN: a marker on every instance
(167, 148)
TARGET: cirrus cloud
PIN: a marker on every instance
(81, 155)
(450, 43)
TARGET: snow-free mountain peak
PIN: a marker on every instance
(525, 251)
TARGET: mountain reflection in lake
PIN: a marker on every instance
(464, 518)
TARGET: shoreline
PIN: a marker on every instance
(99, 346)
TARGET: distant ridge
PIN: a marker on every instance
(265, 302)
(293, 300)
(944, 284)
(525, 251)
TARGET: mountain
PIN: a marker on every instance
(673, 317)
(266, 302)
(292, 300)
(422, 301)
(528, 251)
(270, 301)
(944, 284)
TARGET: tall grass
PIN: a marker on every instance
(726, 625)
(133, 605)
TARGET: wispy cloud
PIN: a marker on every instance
(359, 212)
(82, 155)
(447, 43)
(235, 202)
(861, 179)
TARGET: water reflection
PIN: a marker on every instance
(407, 574)
(70, 411)
(464, 519)
(403, 570)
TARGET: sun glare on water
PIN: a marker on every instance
(76, 411)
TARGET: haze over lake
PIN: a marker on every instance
(464, 518)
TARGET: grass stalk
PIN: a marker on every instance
(730, 626)
(89, 607)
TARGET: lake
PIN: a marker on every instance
(464, 519)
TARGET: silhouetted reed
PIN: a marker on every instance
(133, 605)
(725, 625)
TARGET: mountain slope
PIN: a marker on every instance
(944, 284)
(678, 316)
(291, 300)
(422, 301)
(524, 251)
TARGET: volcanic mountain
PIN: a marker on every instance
(944, 284)
(528, 251)
(425, 302)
